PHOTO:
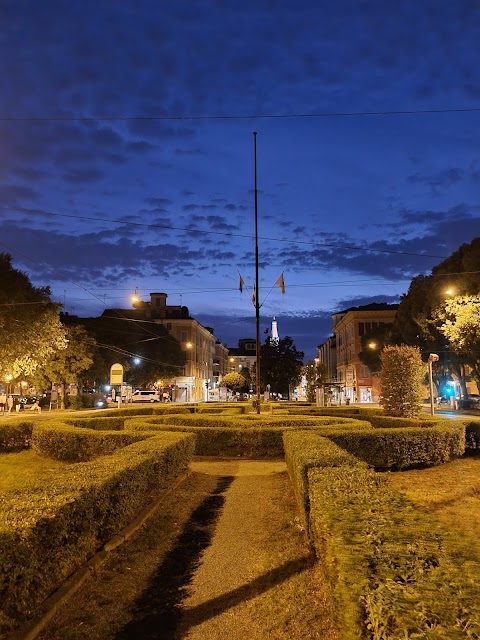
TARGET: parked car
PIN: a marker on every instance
(150, 395)
(473, 402)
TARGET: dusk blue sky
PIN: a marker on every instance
(126, 155)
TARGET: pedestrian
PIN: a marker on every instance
(36, 407)
(3, 402)
(10, 403)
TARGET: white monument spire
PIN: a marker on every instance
(275, 337)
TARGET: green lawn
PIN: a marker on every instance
(24, 470)
(452, 492)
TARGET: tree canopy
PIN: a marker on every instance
(234, 381)
(29, 322)
(459, 322)
(422, 311)
(281, 365)
(68, 365)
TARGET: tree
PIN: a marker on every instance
(459, 322)
(67, 365)
(234, 381)
(401, 379)
(417, 319)
(30, 327)
(315, 374)
(280, 365)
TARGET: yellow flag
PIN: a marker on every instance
(281, 283)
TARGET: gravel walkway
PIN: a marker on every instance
(225, 558)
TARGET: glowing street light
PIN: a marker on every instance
(135, 298)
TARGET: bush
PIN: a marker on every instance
(401, 379)
(389, 567)
(101, 423)
(305, 450)
(472, 434)
(47, 534)
(404, 448)
(15, 436)
(82, 400)
(63, 442)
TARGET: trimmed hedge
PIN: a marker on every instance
(472, 434)
(404, 448)
(264, 421)
(63, 442)
(100, 423)
(305, 450)
(237, 408)
(15, 436)
(391, 570)
(222, 441)
(248, 436)
(47, 534)
(151, 410)
(341, 411)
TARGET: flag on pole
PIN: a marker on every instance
(281, 283)
(241, 283)
(254, 298)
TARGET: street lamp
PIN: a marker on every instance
(431, 358)
(135, 299)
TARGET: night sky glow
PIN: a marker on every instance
(126, 155)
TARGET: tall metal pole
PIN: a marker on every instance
(257, 292)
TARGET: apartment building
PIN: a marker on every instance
(349, 326)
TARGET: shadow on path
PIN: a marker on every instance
(157, 611)
(216, 606)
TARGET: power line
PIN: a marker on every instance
(223, 233)
(259, 116)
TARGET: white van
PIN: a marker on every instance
(145, 396)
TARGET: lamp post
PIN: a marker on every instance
(431, 358)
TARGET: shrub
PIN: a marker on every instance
(102, 423)
(472, 434)
(47, 534)
(15, 436)
(63, 442)
(404, 448)
(389, 567)
(401, 379)
(305, 450)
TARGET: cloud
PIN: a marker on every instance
(84, 176)
(13, 194)
(442, 179)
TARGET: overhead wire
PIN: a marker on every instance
(258, 116)
(288, 241)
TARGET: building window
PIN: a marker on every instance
(169, 326)
(361, 329)
(183, 336)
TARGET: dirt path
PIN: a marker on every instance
(224, 558)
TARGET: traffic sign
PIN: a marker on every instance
(116, 374)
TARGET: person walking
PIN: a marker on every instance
(10, 404)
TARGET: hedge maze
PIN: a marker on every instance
(389, 568)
